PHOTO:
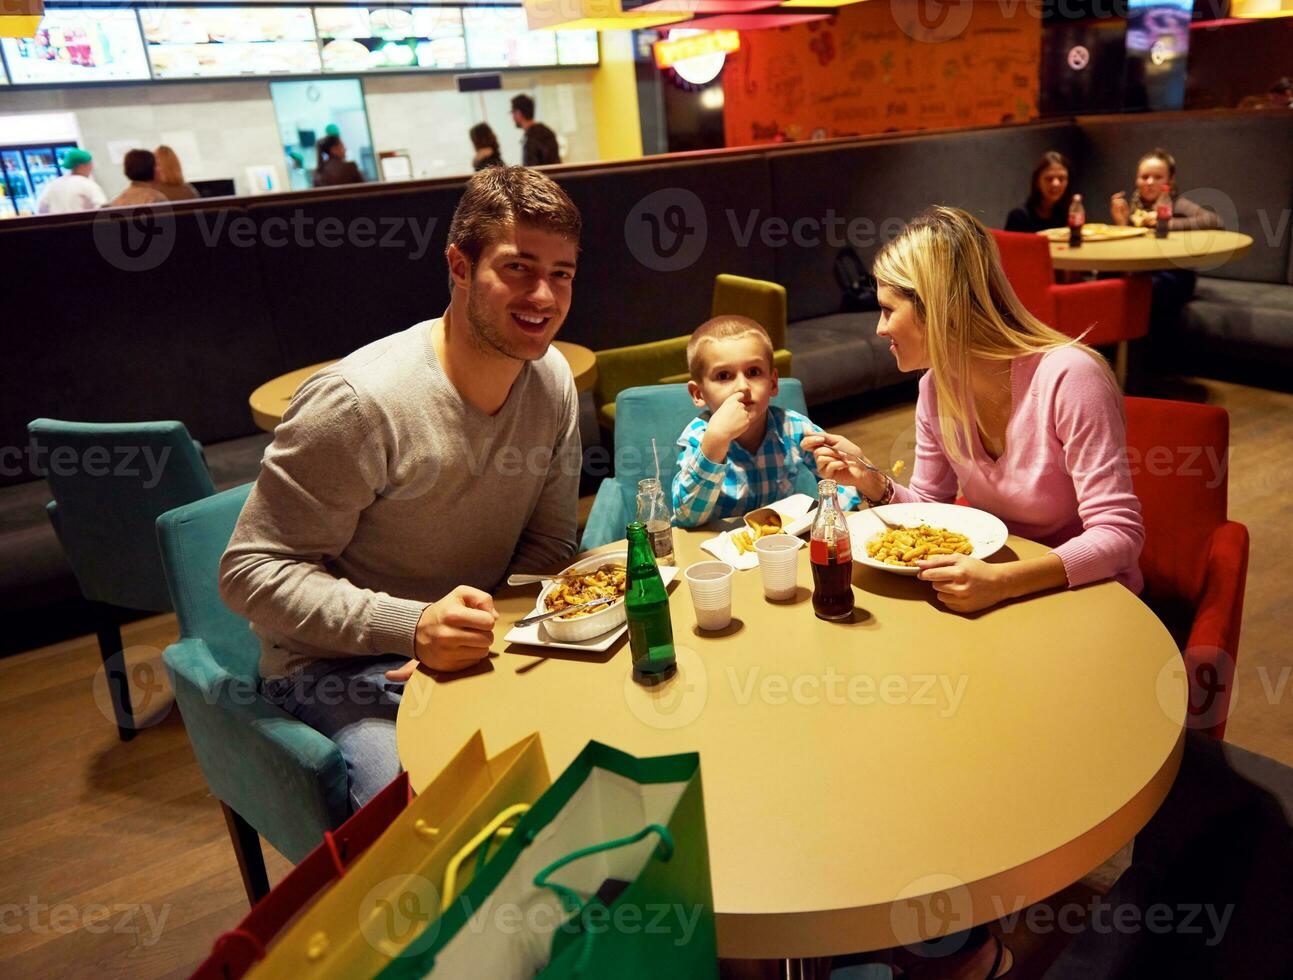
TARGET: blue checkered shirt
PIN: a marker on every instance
(703, 489)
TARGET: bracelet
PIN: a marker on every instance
(885, 497)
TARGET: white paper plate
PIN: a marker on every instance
(537, 636)
(986, 533)
(795, 517)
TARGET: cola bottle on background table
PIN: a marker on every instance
(831, 553)
(1077, 218)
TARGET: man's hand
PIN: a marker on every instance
(457, 631)
(402, 674)
(965, 584)
(833, 466)
(1120, 209)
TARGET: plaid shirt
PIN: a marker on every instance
(703, 489)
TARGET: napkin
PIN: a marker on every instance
(724, 549)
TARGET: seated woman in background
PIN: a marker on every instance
(1049, 196)
(169, 179)
(1026, 421)
(486, 144)
(334, 169)
(1173, 288)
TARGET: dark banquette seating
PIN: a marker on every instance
(233, 292)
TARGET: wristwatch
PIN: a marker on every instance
(886, 497)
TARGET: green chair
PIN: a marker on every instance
(272, 774)
(660, 412)
(110, 482)
(665, 361)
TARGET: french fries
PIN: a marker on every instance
(571, 590)
(744, 540)
(906, 546)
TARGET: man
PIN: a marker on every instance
(140, 168)
(540, 144)
(408, 479)
(75, 190)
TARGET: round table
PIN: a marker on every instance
(270, 400)
(867, 784)
(1145, 253)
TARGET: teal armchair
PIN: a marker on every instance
(272, 774)
(662, 412)
(110, 482)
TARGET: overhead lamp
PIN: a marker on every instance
(1250, 9)
(819, 3)
(594, 15)
(21, 18)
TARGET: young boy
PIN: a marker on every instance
(741, 453)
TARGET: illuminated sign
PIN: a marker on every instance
(687, 45)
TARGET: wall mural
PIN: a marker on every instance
(884, 65)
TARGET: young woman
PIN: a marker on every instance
(169, 177)
(1027, 422)
(1049, 196)
(1172, 288)
(1156, 173)
(334, 168)
(486, 144)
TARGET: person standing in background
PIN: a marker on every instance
(140, 167)
(169, 179)
(334, 169)
(540, 146)
(74, 190)
(486, 144)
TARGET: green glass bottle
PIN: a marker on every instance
(646, 604)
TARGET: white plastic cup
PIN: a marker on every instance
(710, 584)
(779, 565)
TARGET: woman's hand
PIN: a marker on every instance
(965, 584)
(827, 447)
(1120, 209)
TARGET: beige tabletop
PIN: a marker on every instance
(901, 776)
(270, 400)
(1145, 253)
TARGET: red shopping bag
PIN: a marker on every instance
(238, 949)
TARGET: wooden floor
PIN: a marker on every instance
(114, 860)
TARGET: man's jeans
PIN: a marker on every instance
(350, 701)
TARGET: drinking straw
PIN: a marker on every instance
(657, 460)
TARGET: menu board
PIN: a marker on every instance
(499, 37)
(357, 39)
(78, 46)
(225, 42)
(577, 47)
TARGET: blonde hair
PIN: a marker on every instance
(946, 262)
(722, 328)
(169, 170)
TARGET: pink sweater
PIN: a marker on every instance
(1063, 479)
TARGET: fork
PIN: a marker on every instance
(874, 469)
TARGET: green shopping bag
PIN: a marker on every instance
(607, 875)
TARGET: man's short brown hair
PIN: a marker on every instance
(498, 198)
(723, 328)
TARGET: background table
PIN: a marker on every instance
(270, 400)
(1145, 253)
(853, 802)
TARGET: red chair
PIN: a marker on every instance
(1195, 561)
(1108, 311)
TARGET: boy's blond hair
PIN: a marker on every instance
(723, 328)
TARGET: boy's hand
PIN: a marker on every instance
(731, 419)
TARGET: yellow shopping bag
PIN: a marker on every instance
(387, 899)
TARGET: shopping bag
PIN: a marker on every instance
(387, 897)
(238, 949)
(606, 875)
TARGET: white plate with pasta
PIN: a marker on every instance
(932, 529)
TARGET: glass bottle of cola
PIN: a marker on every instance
(830, 551)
